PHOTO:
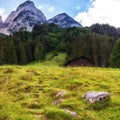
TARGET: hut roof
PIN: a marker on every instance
(81, 57)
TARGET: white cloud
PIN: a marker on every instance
(2, 13)
(101, 11)
(47, 7)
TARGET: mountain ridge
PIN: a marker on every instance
(1, 22)
(27, 15)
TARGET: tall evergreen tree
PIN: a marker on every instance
(2, 52)
(11, 56)
(28, 52)
(115, 55)
(37, 54)
(21, 54)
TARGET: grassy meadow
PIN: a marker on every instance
(28, 92)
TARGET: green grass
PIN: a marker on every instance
(27, 92)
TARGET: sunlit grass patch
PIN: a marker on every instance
(28, 92)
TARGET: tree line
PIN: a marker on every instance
(96, 43)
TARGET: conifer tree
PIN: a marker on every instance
(115, 56)
(37, 54)
(21, 54)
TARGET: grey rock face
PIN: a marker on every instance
(1, 25)
(64, 21)
(1, 22)
(26, 15)
(94, 97)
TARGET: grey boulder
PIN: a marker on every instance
(94, 97)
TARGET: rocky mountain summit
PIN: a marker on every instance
(1, 22)
(27, 15)
(1, 26)
(64, 21)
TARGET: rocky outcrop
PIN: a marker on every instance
(2, 30)
(1, 22)
(94, 97)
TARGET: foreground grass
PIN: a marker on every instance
(28, 92)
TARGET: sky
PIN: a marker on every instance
(86, 12)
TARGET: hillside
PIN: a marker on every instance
(28, 92)
(24, 47)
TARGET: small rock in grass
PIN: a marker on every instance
(57, 102)
(94, 97)
(74, 114)
(60, 94)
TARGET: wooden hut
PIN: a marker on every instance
(80, 61)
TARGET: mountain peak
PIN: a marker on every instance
(26, 15)
(65, 21)
(28, 2)
(65, 14)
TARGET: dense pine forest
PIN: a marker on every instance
(99, 43)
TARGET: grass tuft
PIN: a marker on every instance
(57, 114)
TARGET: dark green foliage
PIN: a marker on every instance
(2, 52)
(115, 55)
(28, 52)
(82, 42)
(11, 56)
(106, 29)
(37, 54)
(101, 49)
(21, 54)
(94, 43)
(7, 52)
